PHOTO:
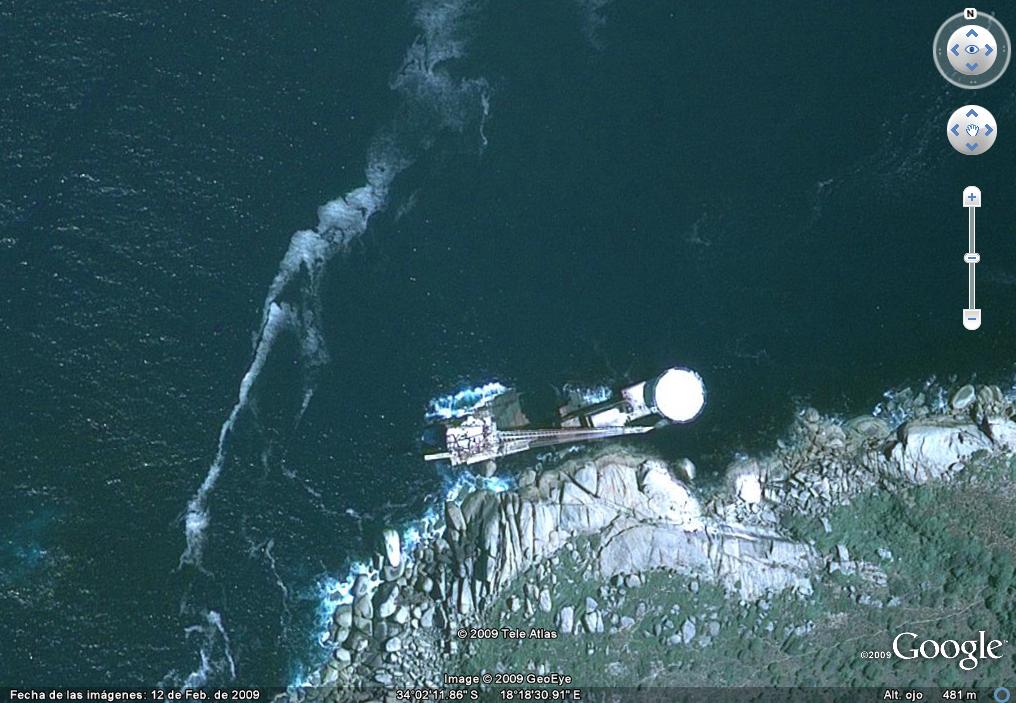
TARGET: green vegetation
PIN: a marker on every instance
(939, 562)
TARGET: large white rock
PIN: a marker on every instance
(587, 478)
(644, 547)
(454, 518)
(748, 488)
(752, 560)
(465, 598)
(930, 449)
(544, 523)
(566, 620)
(867, 426)
(362, 609)
(477, 504)
(342, 616)
(685, 469)
(964, 397)
(386, 600)
(361, 585)
(669, 499)
(760, 561)
(582, 512)
(525, 520)
(1003, 433)
(393, 547)
(617, 484)
(688, 631)
(545, 602)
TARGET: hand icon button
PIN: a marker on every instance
(971, 130)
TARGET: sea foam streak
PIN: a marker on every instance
(275, 319)
(434, 101)
(460, 404)
(213, 631)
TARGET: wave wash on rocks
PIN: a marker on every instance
(402, 629)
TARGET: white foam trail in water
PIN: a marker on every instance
(197, 678)
(434, 101)
(275, 570)
(485, 102)
(215, 619)
(212, 630)
(277, 317)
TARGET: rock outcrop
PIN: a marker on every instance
(646, 519)
(932, 448)
(825, 461)
(641, 515)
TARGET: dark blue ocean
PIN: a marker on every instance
(208, 418)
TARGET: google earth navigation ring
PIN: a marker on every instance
(972, 53)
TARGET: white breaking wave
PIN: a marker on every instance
(462, 403)
(898, 403)
(434, 101)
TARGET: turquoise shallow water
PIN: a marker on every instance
(585, 192)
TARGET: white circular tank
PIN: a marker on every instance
(677, 394)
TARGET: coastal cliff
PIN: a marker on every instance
(618, 518)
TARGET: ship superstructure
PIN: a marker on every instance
(498, 427)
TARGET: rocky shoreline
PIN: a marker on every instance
(635, 514)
